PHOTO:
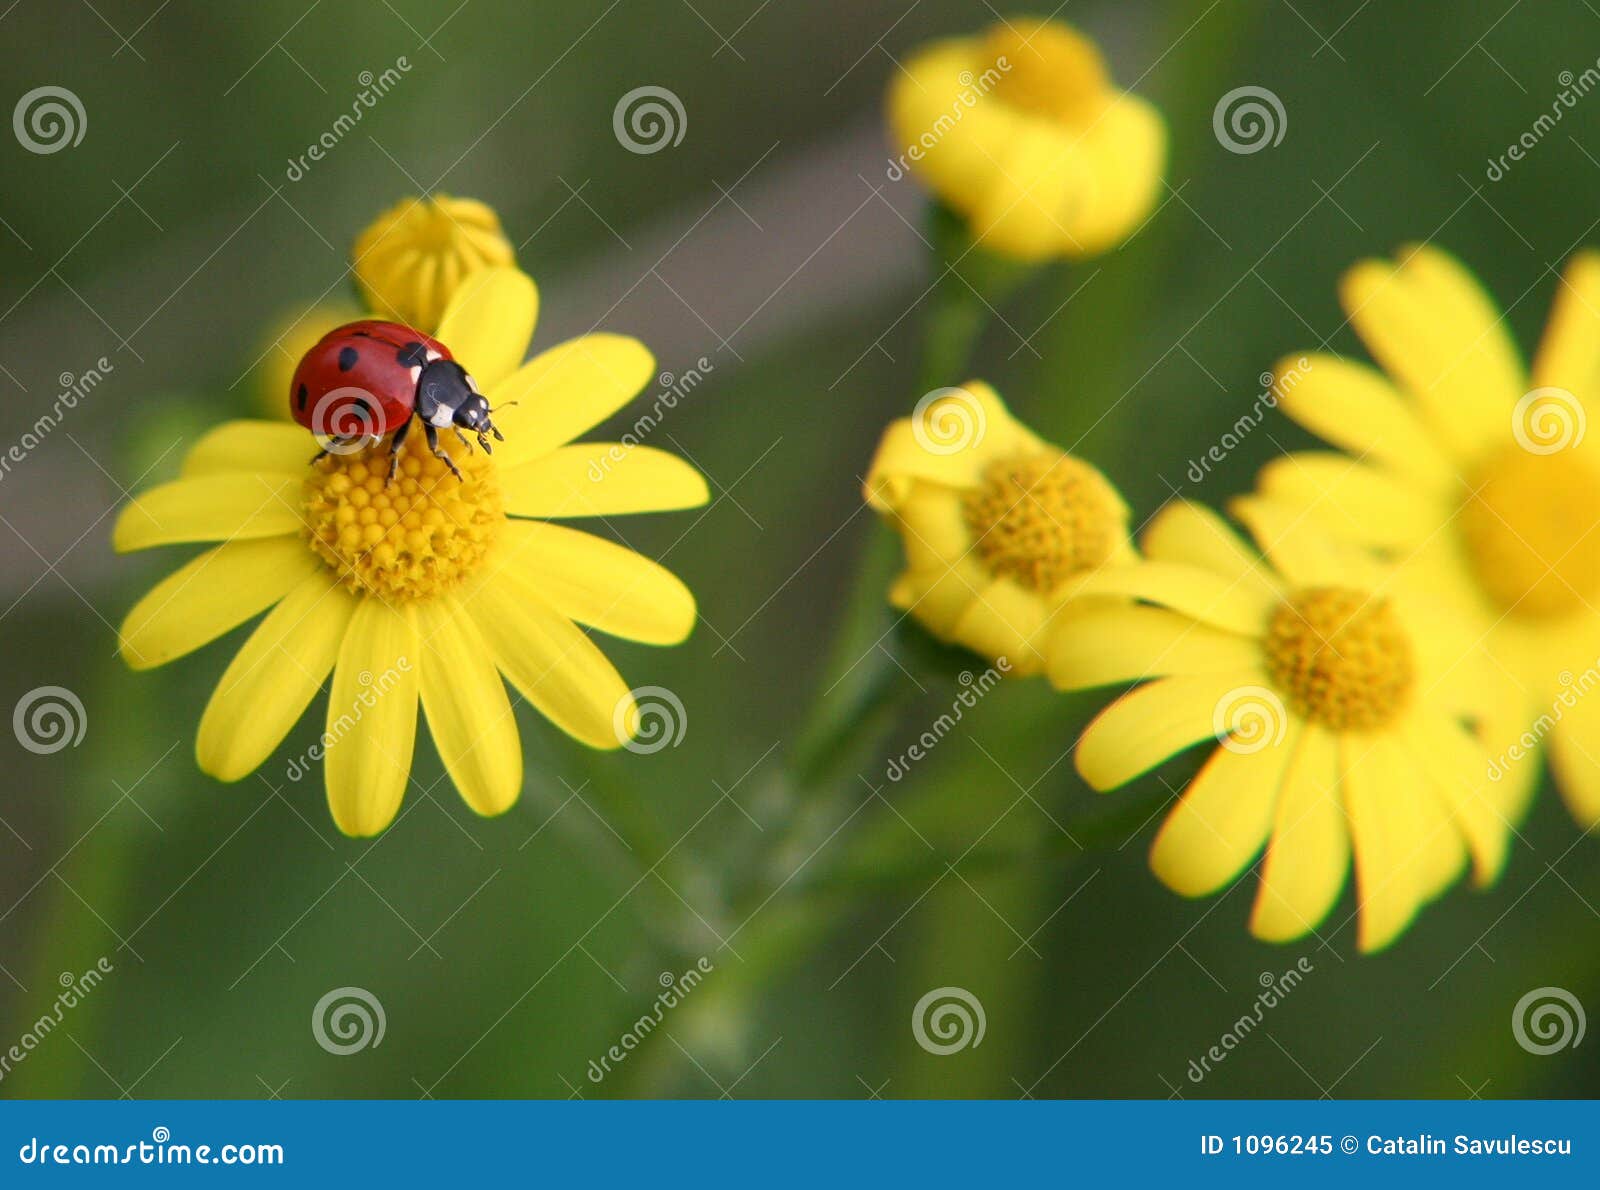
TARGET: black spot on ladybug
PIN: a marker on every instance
(413, 355)
(300, 397)
(347, 358)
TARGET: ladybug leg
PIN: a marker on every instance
(394, 448)
(433, 445)
(462, 436)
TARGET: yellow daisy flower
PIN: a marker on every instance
(1338, 715)
(1021, 130)
(999, 526)
(1479, 480)
(424, 588)
(409, 262)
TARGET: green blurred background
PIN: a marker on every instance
(509, 953)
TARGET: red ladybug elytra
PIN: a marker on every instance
(367, 379)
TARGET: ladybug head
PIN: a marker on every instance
(473, 414)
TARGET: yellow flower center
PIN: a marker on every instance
(1042, 518)
(1048, 69)
(1340, 658)
(1532, 532)
(411, 537)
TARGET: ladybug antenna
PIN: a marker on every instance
(502, 405)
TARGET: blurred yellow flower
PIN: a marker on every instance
(409, 262)
(296, 333)
(1021, 130)
(1480, 481)
(423, 588)
(1338, 702)
(999, 526)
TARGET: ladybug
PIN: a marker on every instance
(369, 378)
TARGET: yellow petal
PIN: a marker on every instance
(1484, 802)
(948, 441)
(210, 595)
(550, 660)
(1126, 147)
(273, 678)
(1158, 720)
(1296, 544)
(1107, 645)
(1575, 760)
(1354, 501)
(1038, 178)
(211, 508)
(468, 712)
(263, 446)
(935, 534)
(1005, 620)
(488, 323)
(372, 718)
(1221, 821)
(598, 583)
(1383, 839)
(1193, 534)
(602, 479)
(937, 596)
(1569, 353)
(1199, 593)
(1354, 406)
(1310, 849)
(1428, 322)
(567, 391)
